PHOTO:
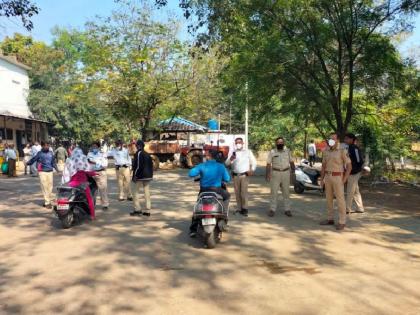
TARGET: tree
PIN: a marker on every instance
(136, 64)
(25, 9)
(318, 52)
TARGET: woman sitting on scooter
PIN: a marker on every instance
(76, 172)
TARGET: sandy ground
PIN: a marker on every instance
(125, 265)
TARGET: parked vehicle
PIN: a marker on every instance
(72, 206)
(307, 178)
(211, 217)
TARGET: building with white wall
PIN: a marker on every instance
(17, 123)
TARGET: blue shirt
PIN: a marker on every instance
(212, 174)
(45, 161)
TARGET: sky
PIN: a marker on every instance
(74, 13)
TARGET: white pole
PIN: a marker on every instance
(246, 116)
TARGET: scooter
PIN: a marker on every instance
(72, 206)
(307, 178)
(211, 217)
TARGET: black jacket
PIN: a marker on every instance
(142, 166)
(356, 158)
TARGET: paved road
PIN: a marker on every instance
(125, 265)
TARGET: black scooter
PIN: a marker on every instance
(211, 217)
(72, 206)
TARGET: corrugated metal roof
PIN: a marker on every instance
(180, 124)
(7, 114)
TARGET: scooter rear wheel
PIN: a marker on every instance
(298, 188)
(210, 240)
(67, 220)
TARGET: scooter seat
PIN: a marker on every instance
(310, 171)
(210, 194)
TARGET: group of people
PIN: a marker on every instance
(341, 165)
(78, 167)
(30, 150)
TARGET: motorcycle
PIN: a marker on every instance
(211, 217)
(72, 206)
(307, 178)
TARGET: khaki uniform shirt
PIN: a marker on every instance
(280, 159)
(335, 160)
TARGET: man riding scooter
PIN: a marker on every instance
(212, 176)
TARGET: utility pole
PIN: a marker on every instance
(246, 115)
(230, 115)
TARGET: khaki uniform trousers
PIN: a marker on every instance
(138, 185)
(124, 179)
(102, 181)
(354, 193)
(11, 167)
(46, 181)
(241, 191)
(280, 179)
(334, 186)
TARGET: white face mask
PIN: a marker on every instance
(239, 146)
(331, 142)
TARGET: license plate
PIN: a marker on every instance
(63, 207)
(208, 221)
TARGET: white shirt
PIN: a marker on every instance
(100, 160)
(10, 154)
(35, 149)
(244, 161)
(312, 149)
(121, 157)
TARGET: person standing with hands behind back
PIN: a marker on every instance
(142, 176)
(279, 163)
(353, 192)
(334, 161)
(243, 164)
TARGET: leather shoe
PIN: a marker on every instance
(327, 222)
(340, 227)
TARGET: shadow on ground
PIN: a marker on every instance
(120, 264)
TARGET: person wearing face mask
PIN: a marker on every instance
(353, 192)
(98, 163)
(279, 164)
(46, 163)
(142, 176)
(336, 168)
(243, 165)
(122, 166)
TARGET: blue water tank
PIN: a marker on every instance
(213, 124)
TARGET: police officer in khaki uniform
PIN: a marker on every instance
(279, 164)
(336, 168)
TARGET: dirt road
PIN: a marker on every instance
(125, 265)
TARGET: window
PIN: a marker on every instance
(9, 134)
